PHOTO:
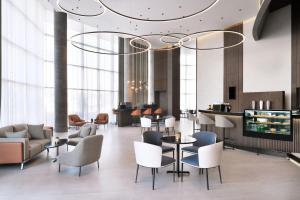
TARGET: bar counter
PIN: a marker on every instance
(244, 142)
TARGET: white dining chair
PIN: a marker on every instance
(170, 125)
(209, 156)
(150, 156)
(145, 124)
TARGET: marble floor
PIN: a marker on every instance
(245, 176)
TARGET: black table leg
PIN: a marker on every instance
(178, 163)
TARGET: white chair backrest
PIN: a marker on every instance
(223, 122)
(170, 122)
(147, 155)
(203, 119)
(210, 155)
(145, 122)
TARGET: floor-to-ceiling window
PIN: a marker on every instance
(23, 32)
(92, 78)
(187, 79)
(28, 67)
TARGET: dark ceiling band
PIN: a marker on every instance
(161, 20)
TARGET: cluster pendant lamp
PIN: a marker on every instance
(138, 79)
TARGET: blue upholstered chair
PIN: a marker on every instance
(208, 157)
(203, 138)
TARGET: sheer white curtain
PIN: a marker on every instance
(92, 78)
(187, 79)
(22, 61)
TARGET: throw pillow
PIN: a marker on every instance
(85, 131)
(19, 134)
(36, 131)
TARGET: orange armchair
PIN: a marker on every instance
(102, 118)
(158, 111)
(148, 111)
(74, 120)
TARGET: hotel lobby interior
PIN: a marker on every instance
(137, 99)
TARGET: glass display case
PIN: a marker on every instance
(269, 124)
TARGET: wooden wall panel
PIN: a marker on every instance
(233, 67)
(295, 54)
(160, 70)
(277, 99)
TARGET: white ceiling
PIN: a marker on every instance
(224, 14)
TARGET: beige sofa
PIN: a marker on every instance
(21, 150)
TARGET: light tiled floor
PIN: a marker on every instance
(245, 175)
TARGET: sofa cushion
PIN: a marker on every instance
(19, 134)
(42, 142)
(85, 131)
(34, 148)
(36, 131)
(5, 129)
(21, 127)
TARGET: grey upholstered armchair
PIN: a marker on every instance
(87, 151)
(85, 130)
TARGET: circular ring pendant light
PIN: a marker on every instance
(95, 49)
(143, 15)
(83, 8)
(166, 48)
(211, 32)
(172, 38)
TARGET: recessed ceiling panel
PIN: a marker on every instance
(157, 10)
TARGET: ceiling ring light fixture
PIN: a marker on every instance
(160, 20)
(214, 31)
(58, 3)
(77, 44)
(163, 38)
(174, 46)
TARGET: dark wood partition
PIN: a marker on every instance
(295, 55)
(233, 69)
(167, 80)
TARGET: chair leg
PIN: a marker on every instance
(153, 178)
(98, 164)
(157, 170)
(79, 171)
(221, 181)
(174, 155)
(174, 172)
(181, 172)
(207, 183)
(67, 147)
(22, 166)
(137, 172)
(58, 168)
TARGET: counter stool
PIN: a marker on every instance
(224, 123)
(193, 118)
(204, 120)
